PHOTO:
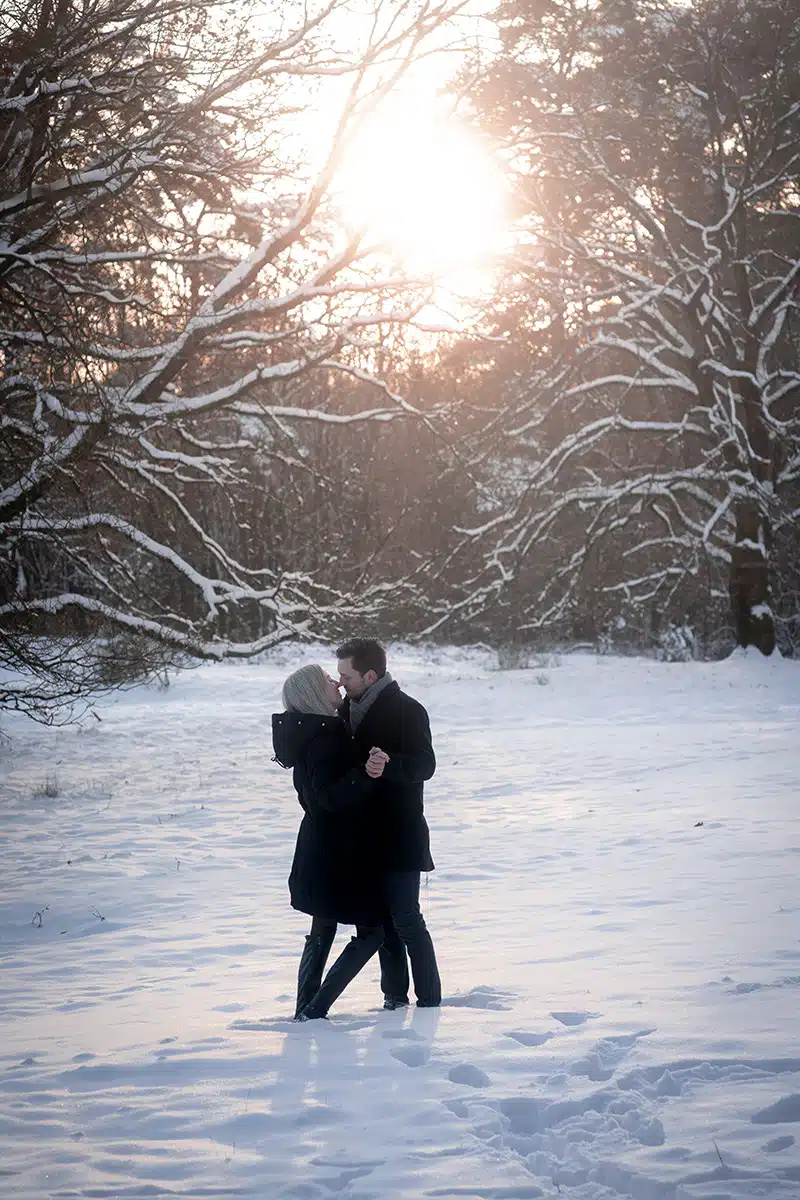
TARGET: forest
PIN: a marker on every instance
(231, 415)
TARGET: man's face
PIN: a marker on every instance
(353, 682)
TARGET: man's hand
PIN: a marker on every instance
(376, 762)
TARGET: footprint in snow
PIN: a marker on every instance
(515, 1192)
(480, 997)
(458, 1108)
(529, 1039)
(573, 1018)
(601, 1062)
(412, 1056)
(781, 1112)
(469, 1075)
(339, 1182)
(778, 1143)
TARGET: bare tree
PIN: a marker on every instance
(171, 259)
(656, 149)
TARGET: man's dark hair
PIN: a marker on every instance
(367, 654)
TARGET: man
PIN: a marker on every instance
(380, 715)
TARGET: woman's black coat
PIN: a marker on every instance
(334, 873)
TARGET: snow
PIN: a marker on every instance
(616, 911)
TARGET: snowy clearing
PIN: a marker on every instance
(616, 912)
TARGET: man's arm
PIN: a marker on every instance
(415, 761)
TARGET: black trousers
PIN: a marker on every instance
(407, 931)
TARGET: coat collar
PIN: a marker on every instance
(391, 689)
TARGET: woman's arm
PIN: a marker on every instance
(334, 784)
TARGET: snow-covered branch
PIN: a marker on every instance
(180, 305)
(663, 290)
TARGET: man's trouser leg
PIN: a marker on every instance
(402, 898)
(394, 968)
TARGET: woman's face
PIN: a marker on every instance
(332, 691)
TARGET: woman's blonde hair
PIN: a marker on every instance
(304, 691)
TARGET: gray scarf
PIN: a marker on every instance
(359, 708)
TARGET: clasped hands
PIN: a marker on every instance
(376, 762)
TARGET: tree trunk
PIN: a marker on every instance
(749, 580)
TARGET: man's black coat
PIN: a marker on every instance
(399, 725)
(335, 873)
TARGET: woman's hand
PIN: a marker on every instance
(376, 762)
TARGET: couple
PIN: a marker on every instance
(359, 768)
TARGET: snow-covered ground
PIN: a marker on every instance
(616, 911)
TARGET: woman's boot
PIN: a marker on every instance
(358, 951)
(312, 964)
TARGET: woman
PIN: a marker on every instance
(334, 876)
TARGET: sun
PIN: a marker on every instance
(426, 191)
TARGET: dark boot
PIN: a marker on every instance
(390, 1003)
(358, 951)
(312, 964)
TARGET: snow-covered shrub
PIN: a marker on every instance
(677, 644)
(514, 657)
(545, 660)
(511, 657)
(50, 788)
